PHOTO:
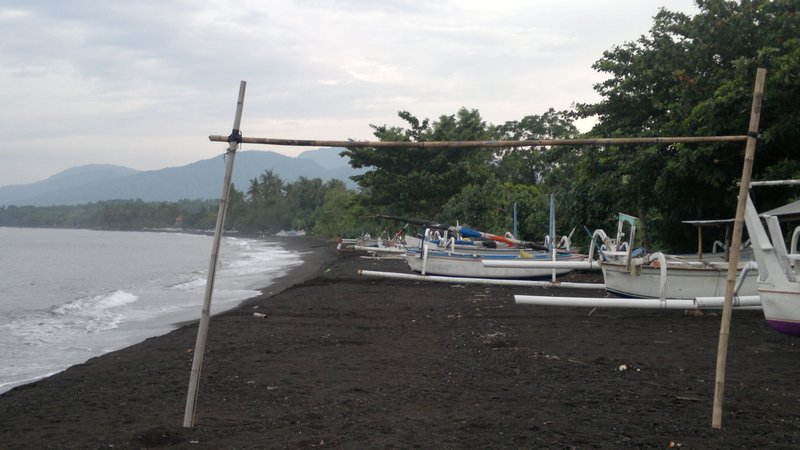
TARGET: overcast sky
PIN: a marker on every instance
(143, 83)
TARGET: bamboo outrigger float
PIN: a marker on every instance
(746, 302)
(485, 281)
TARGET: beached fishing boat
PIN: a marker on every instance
(656, 275)
(461, 237)
(676, 277)
(779, 271)
(630, 272)
(459, 252)
(778, 281)
(435, 262)
(656, 280)
(383, 243)
(290, 233)
(683, 279)
(454, 245)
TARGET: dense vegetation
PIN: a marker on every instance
(270, 205)
(114, 215)
(690, 76)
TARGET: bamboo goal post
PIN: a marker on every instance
(750, 140)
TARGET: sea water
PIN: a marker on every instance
(70, 295)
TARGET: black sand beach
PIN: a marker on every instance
(351, 362)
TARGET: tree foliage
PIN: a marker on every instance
(477, 186)
(692, 76)
(689, 76)
(270, 205)
(419, 181)
(114, 215)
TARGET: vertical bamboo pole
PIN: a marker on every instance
(202, 333)
(552, 231)
(516, 236)
(736, 240)
(699, 242)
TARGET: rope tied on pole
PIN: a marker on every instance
(235, 136)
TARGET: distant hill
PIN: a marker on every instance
(328, 157)
(62, 181)
(199, 180)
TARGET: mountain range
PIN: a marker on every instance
(198, 180)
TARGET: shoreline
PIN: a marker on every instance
(344, 361)
(125, 333)
(315, 254)
(311, 265)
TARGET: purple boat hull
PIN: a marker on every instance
(786, 327)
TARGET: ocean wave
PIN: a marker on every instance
(94, 313)
(50, 325)
(261, 259)
(96, 303)
(194, 283)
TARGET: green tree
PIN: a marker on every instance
(267, 207)
(340, 214)
(270, 185)
(304, 196)
(419, 181)
(490, 207)
(531, 165)
(237, 209)
(692, 76)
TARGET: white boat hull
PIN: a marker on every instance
(682, 282)
(416, 243)
(471, 266)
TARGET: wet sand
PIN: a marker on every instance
(345, 361)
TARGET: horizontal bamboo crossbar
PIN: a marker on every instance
(772, 183)
(461, 144)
